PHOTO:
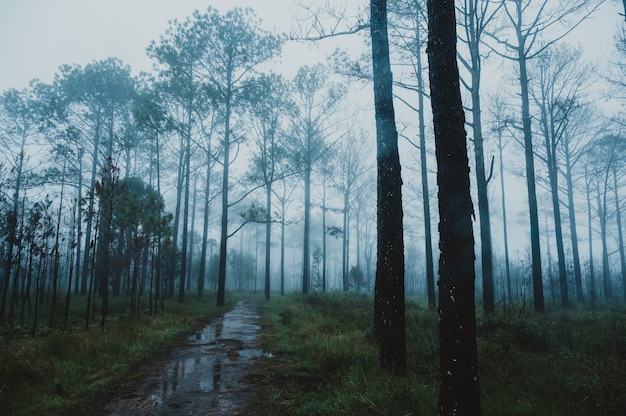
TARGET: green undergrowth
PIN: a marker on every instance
(324, 361)
(72, 370)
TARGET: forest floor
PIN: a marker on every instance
(194, 358)
(325, 360)
(213, 373)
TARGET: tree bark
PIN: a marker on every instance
(538, 298)
(474, 31)
(460, 392)
(504, 225)
(87, 255)
(606, 273)
(306, 244)
(592, 277)
(268, 238)
(12, 228)
(221, 277)
(428, 241)
(187, 185)
(205, 223)
(620, 235)
(389, 312)
(578, 282)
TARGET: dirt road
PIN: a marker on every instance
(212, 374)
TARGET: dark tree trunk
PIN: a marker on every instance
(108, 189)
(460, 392)
(173, 260)
(185, 239)
(474, 32)
(578, 281)
(592, 277)
(205, 224)
(57, 242)
(282, 244)
(483, 204)
(87, 255)
(191, 234)
(268, 239)
(79, 229)
(538, 299)
(221, 277)
(12, 235)
(345, 241)
(556, 209)
(504, 225)
(306, 244)
(428, 240)
(620, 235)
(324, 235)
(389, 313)
(606, 273)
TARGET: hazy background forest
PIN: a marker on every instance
(158, 159)
(108, 171)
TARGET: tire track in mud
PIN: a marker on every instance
(213, 373)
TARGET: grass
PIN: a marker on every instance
(325, 361)
(74, 370)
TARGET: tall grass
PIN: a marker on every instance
(326, 362)
(71, 369)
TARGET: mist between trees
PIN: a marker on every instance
(214, 173)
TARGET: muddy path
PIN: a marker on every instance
(213, 373)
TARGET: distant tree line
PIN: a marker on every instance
(122, 185)
(141, 185)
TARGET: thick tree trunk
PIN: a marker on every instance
(460, 392)
(389, 313)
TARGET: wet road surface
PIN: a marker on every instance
(212, 374)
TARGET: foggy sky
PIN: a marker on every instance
(37, 36)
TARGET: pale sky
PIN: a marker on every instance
(37, 36)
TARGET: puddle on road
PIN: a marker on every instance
(206, 375)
